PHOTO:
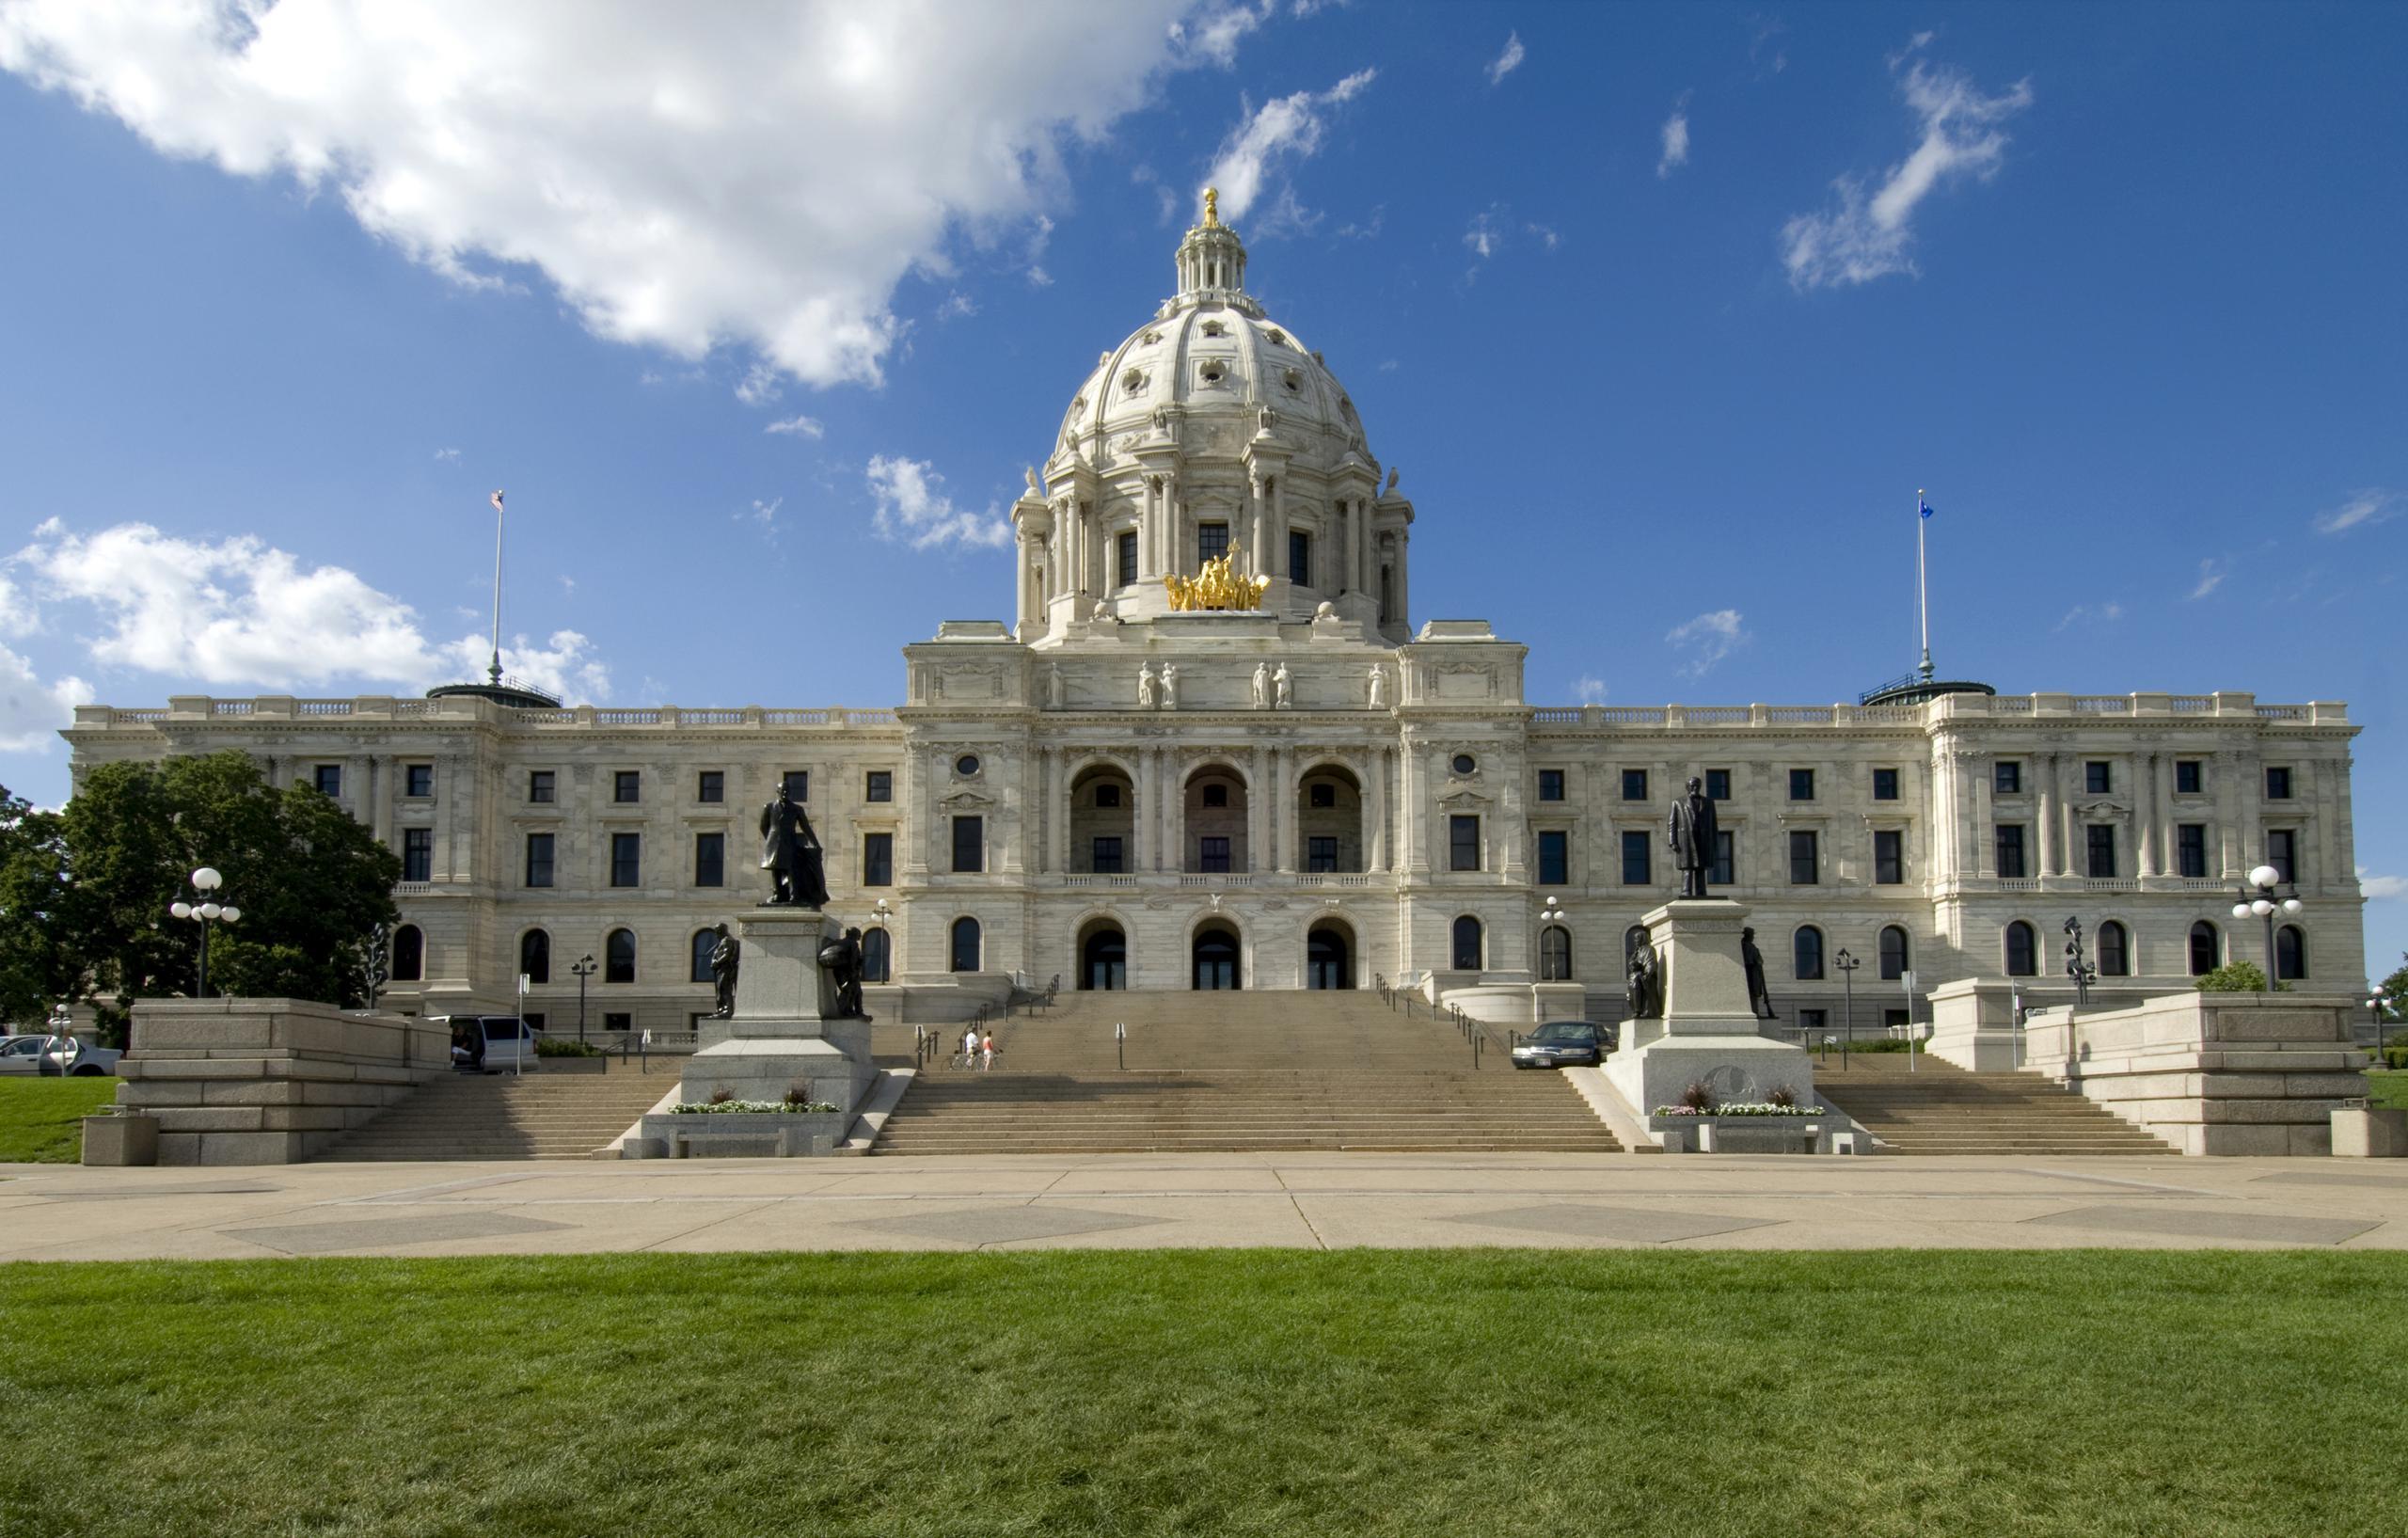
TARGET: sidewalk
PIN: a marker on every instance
(1305, 1200)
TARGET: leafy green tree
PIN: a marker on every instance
(2234, 977)
(312, 882)
(2394, 987)
(40, 961)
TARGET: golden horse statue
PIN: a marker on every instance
(1217, 586)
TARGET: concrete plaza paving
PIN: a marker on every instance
(1141, 1201)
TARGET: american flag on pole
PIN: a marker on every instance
(496, 502)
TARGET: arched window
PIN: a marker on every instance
(1555, 953)
(536, 956)
(2290, 953)
(619, 957)
(965, 944)
(2114, 950)
(1466, 944)
(2022, 951)
(1806, 954)
(876, 956)
(699, 969)
(2204, 949)
(1895, 957)
(409, 955)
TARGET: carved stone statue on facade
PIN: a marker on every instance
(1379, 688)
(1263, 686)
(726, 955)
(1691, 835)
(1281, 686)
(1759, 1001)
(1145, 686)
(841, 961)
(1171, 686)
(1054, 686)
(1642, 986)
(790, 851)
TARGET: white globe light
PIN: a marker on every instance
(181, 909)
(2292, 905)
(230, 915)
(2240, 910)
(206, 878)
(2264, 875)
(210, 910)
(2261, 907)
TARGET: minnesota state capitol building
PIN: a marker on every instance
(1218, 751)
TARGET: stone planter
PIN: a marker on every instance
(1741, 1134)
(121, 1140)
(739, 1135)
(2360, 1132)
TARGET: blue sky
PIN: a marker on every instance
(291, 292)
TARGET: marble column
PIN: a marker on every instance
(1375, 807)
(1261, 523)
(1258, 810)
(2044, 766)
(2145, 815)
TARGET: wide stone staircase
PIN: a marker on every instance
(1940, 1108)
(545, 1115)
(1236, 1071)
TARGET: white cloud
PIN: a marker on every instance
(1547, 235)
(797, 427)
(957, 306)
(2211, 576)
(766, 513)
(1676, 139)
(1486, 235)
(1289, 128)
(31, 711)
(447, 455)
(2363, 508)
(759, 386)
(2381, 888)
(753, 177)
(1365, 228)
(1589, 689)
(911, 510)
(1708, 639)
(240, 611)
(1870, 235)
(1507, 62)
(2099, 613)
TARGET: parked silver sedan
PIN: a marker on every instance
(1562, 1043)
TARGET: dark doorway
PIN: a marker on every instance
(1329, 961)
(1215, 954)
(1103, 961)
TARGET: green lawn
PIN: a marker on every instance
(37, 1117)
(2388, 1088)
(1272, 1392)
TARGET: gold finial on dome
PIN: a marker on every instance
(1212, 207)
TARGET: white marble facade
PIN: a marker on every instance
(1114, 755)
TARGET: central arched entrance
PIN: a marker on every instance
(1329, 958)
(1214, 952)
(1103, 959)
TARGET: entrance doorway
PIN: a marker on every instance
(1215, 955)
(1103, 960)
(1329, 961)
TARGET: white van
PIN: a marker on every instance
(493, 1043)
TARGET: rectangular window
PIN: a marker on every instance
(1108, 794)
(2278, 785)
(1888, 857)
(710, 859)
(1463, 843)
(627, 785)
(1804, 860)
(1885, 784)
(1212, 542)
(2007, 777)
(330, 779)
(1636, 851)
(878, 786)
(539, 858)
(1550, 784)
(1801, 784)
(877, 858)
(2282, 852)
(2010, 851)
(1212, 855)
(1718, 784)
(1321, 794)
(539, 787)
(627, 859)
(418, 854)
(2102, 851)
(2189, 776)
(1725, 869)
(1321, 855)
(798, 784)
(2097, 777)
(1555, 857)
(1634, 784)
(968, 844)
(1216, 796)
(417, 781)
(1813, 1022)
(614, 1020)
(1300, 557)
(1125, 557)
(710, 786)
(2191, 850)
(1107, 856)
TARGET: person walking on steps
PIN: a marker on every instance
(970, 1047)
(986, 1054)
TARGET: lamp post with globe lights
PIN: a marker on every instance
(2265, 897)
(1845, 965)
(2385, 1004)
(208, 910)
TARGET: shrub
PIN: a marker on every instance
(2234, 977)
(546, 1047)
(722, 1097)
(1698, 1098)
(1782, 1096)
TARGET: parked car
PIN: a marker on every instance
(20, 1053)
(38, 1053)
(1560, 1042)
(494, 1044)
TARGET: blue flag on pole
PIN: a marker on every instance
(1924, 506)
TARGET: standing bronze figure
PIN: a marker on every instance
(1759, 1001)
(790, 851)
(843, 960)
(725, 954)
(1643, 988)
(1692, 838)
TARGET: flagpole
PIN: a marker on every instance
(495, 670)
(1923, 594)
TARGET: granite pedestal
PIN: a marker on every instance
(781, 1037)
(1707, 1035)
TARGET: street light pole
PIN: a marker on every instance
(206, 911)
(2379, 1002)
(1847, 965)
(2262, 898)
(584, 968)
